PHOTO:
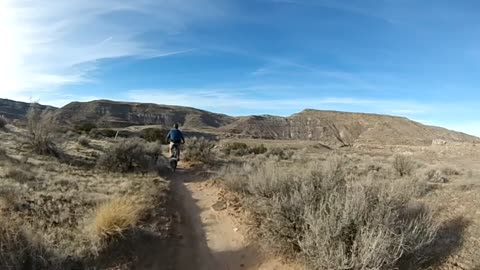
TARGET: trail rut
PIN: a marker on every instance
(209, 239)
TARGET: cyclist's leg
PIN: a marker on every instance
(170, 148)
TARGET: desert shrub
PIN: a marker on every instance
(258, 149)
(84, 141)
(128, 155)
(20, 175)
(236, 148)
(154, 150)
(199, 149)
(315, 212)
(436, 176)
(280, 153)
(103, 133)
(85, 127)
(3, 154)
(40, 127)
(115, 217)
(153, 135)
(449, 171)
(403, 165)
(242, 149)
(3, 121)
(13, 246)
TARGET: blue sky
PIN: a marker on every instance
(419, 59)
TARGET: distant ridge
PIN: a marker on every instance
(16, 109)
(328, 127)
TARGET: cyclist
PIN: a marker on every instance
(175, 138)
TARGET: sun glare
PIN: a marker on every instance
(10, 50)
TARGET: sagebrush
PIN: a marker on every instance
(130, 155)
(316, 213)
(199, 149)
(403, 165)
(40, 128)
(3, 121)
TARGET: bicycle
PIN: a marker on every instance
(174, 158)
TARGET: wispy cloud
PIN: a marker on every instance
(239, 101)
(47, 44)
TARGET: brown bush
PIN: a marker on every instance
(129, 155)
(315, 212)
(20, 175)
(84, 127)
(199, 149)
(40, 127)
(403, 165)
(153, 134)
(84, 141)
(3, 121)
(279, 153)
(449, 171)
(242, 149)
(103, 133)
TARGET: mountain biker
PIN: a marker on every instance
(175, 138)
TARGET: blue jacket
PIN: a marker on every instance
(175, 136)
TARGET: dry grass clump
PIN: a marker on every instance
(84, 141)
(15, 248)
(129, 155)
(199, 149)
(316, 213)
(40, 127)
(116, 216)
(403, 165)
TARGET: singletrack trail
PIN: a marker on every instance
(210, 239)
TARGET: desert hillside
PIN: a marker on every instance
(112, 113)
(15, 109)
(342, 128)
(328, 127)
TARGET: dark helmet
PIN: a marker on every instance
(175, 126)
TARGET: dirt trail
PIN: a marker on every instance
(210, 239)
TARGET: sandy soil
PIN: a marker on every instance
(211, 239)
